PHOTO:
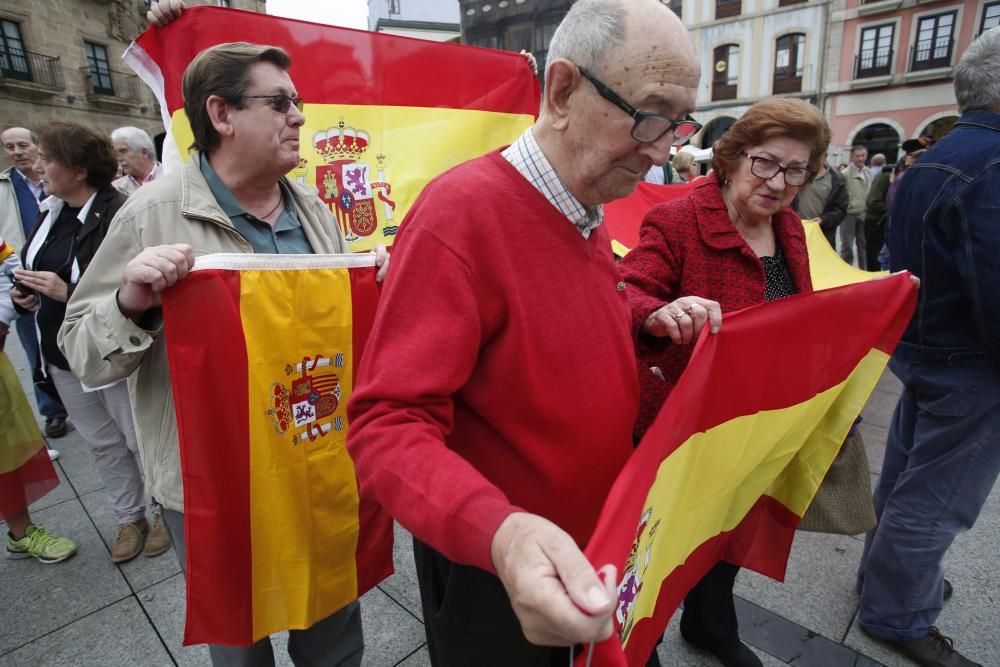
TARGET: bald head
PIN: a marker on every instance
(21, 146)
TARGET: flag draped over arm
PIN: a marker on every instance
(740, 447)
(262, 352)
(384, 114)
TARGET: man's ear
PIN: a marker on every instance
(218, 112)
(562, 80)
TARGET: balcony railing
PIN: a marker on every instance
(784, 83)
(31, 67)
(873, 63)
(110, 83)
(930, 53)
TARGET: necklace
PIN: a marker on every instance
(267, 215)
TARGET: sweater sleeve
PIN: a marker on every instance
(652, 269)
(422, 350)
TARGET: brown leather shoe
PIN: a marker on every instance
(157, 542)
(128, 544)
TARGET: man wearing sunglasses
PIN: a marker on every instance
(494, 422)
(233, 197)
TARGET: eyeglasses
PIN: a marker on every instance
(766, 168)
(280, 102)
(648, 127)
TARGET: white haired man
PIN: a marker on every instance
(136, 155)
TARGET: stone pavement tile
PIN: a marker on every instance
(675, 652)
(164, 603)
(875, 439)
(419, 658)
(77, 461)
(60, 494)
(119, 634)
(402, 586)
(789, 642)
(818, 592)
(41, 598)
(878, 411)
(391, 633)
(141, 572)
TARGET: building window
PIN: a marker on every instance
(934, 42)
(726, 8)
(100, 69)
(727, 72)
(785, 3)
(991, 16)
(13, 58)
(875, 56)
(678, 7)
(224, 3)
(518, 38)
(394, 6)
(788, 63)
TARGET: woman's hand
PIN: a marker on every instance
(163, 12)
(28, 302)
(684, 318)
(43, 282)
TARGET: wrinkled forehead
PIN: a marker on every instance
(15, 136)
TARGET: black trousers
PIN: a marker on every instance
(709, 609)
(469, 619)
(874, 240)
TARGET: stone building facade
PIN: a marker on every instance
(62, 61)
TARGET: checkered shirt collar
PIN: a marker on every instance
(527, 157)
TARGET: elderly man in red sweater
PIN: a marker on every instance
(495, 403)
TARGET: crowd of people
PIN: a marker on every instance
(501, 489)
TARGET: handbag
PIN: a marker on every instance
(843, 503)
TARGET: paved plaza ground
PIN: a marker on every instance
(88, 611)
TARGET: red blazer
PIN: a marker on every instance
(689, 247)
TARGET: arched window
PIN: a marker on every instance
(788, 63)
(879, 138)
(727, 72)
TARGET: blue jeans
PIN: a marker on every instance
(48, 406)
(941, 461)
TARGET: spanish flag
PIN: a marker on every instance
(384, 114)
(26, 473)
(262, 352)
(740, 447)
(624, 217)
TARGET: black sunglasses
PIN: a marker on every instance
(280, 102)
(648, 127)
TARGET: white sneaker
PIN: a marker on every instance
(53, 454)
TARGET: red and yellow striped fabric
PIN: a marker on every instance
(740, 447)
(262, 352)
(384, 114)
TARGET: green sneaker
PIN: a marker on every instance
(38, 543)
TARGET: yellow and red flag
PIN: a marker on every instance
(624, 217)
(262, 352)
(740, 447)
(26, 472)
(384, 114)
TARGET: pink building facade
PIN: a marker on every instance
(893, 78)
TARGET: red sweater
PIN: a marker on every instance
(500, 372)
(689, 247)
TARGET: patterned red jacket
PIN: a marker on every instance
(689, 247)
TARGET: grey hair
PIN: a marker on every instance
(977, 77)
(136, 139)
(590, 29)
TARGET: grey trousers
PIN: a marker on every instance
(104, 419)
(335, 641)
(852, 233)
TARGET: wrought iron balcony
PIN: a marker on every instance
(931, 54)
(109, 85)
(31, 68)
(873, 63)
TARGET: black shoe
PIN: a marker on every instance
(55, 427)
(948, 590)
(934, 650)
(731, 655)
